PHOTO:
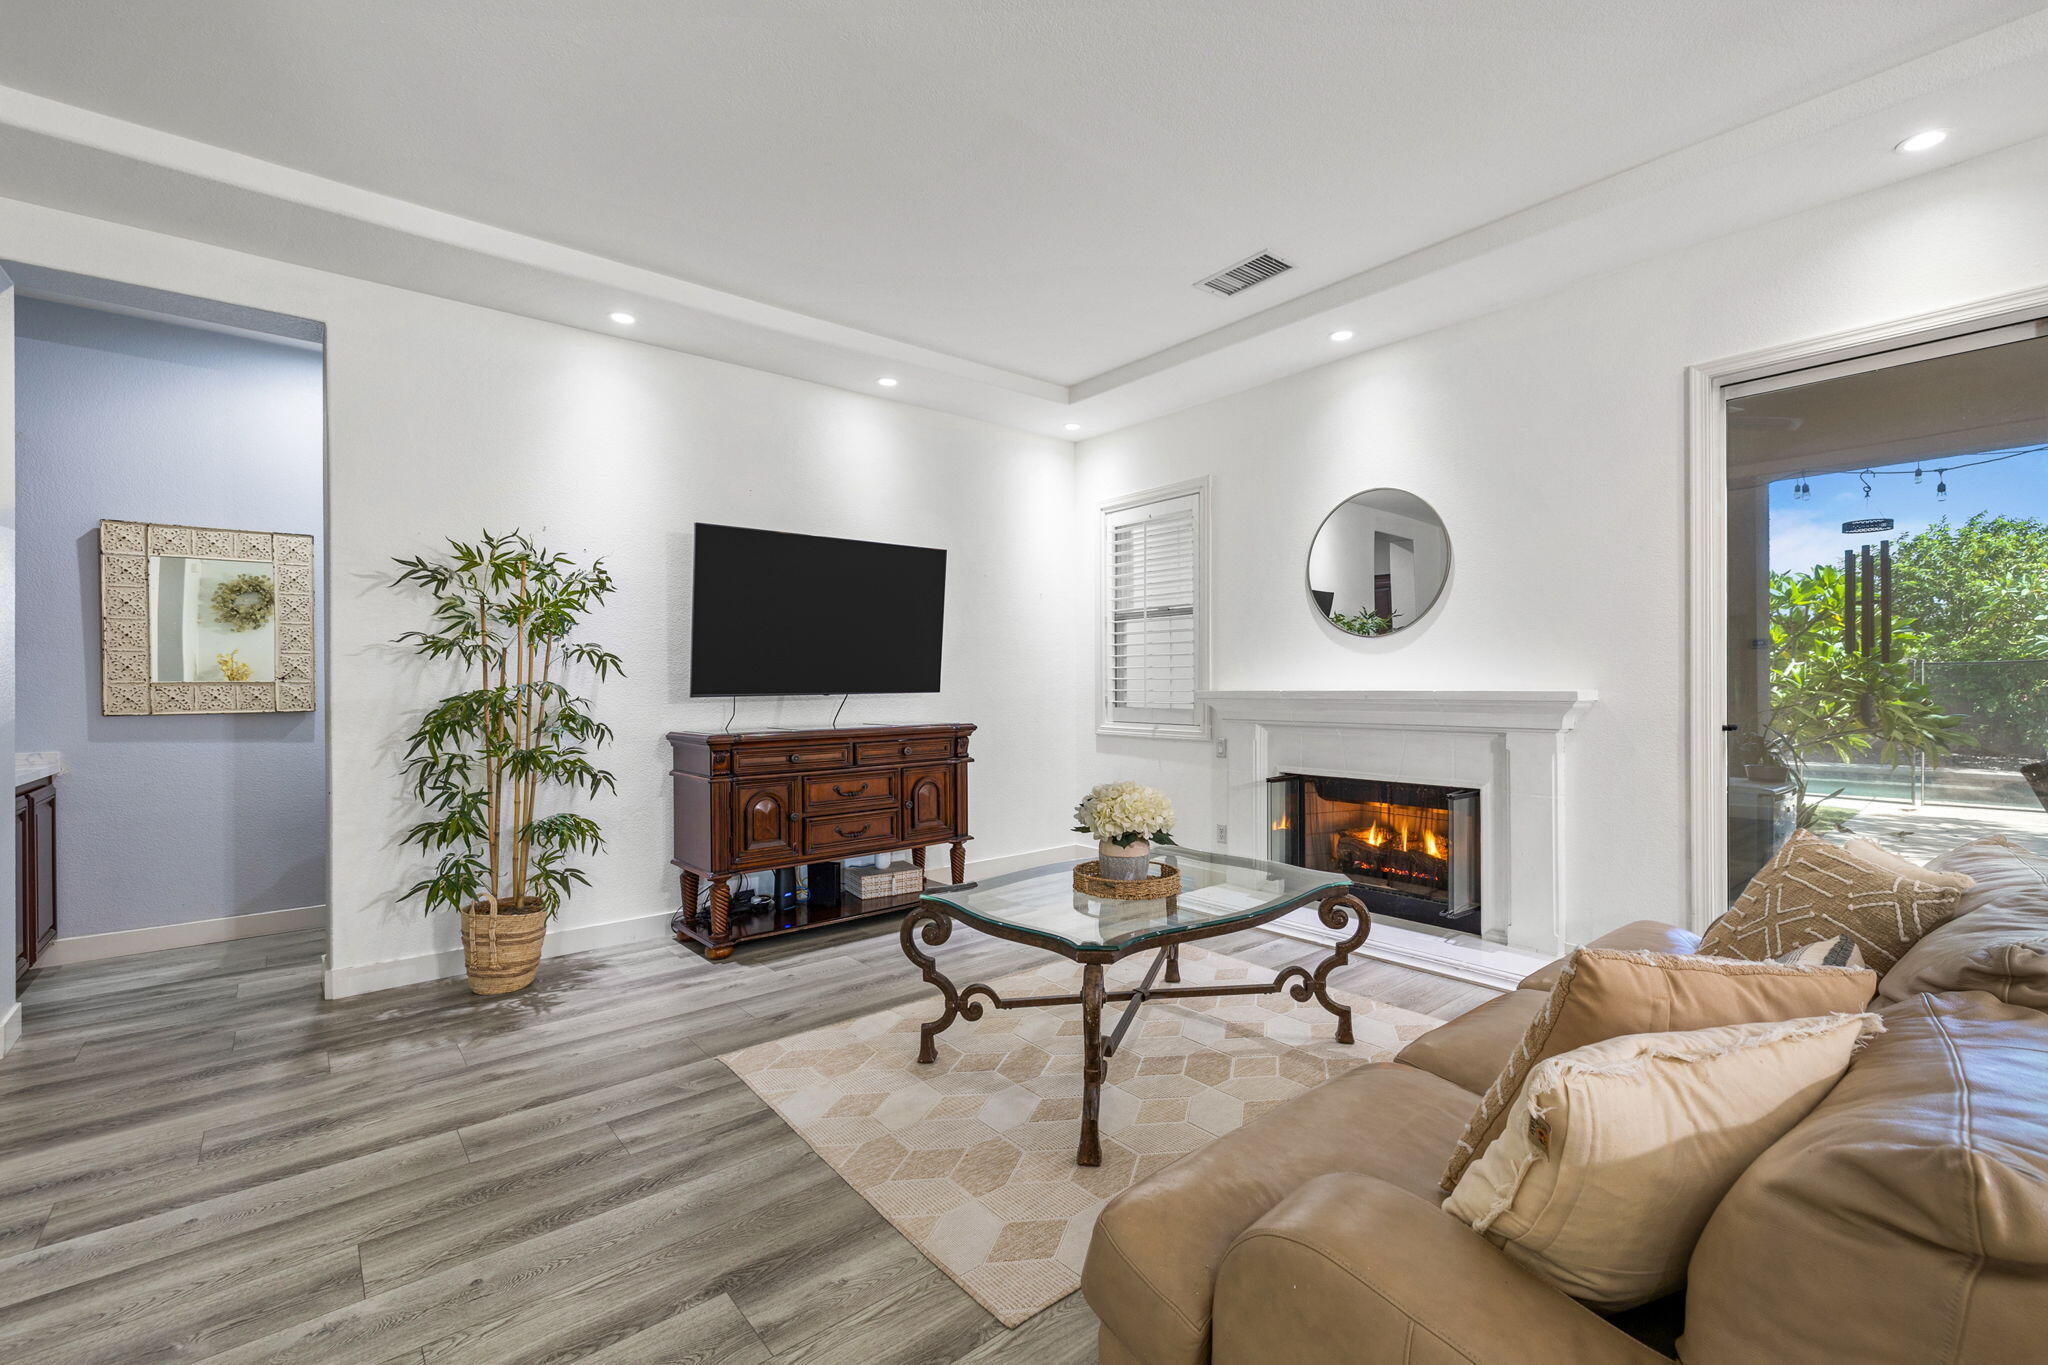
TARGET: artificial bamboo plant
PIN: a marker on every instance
(481, 759)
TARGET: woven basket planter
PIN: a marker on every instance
(502, 951)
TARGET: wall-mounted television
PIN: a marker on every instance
(777, 614)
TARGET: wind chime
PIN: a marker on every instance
(1867, 610)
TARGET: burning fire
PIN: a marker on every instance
(1376, 835)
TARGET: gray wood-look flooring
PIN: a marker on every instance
(201, 1159)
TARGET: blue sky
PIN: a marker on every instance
(1807, 533)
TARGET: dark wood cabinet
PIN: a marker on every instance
(764, 800)
(35, 872)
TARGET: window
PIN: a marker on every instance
(1153, 659)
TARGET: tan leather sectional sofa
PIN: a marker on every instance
(1904, 1220)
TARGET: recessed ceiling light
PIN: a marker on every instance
(1073, 426)
(1921, 142)
(887, 381)
(624, 319)
(1342, 334)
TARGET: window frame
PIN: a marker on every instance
(1110, 515)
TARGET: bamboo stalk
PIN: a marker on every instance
(483, 626)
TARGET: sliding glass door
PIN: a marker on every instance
(1888, 599)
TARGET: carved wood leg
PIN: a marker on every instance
(917, 856)
(959, 862)
(690, 886)
(1092, 1068)
(721, 923)
(1173, 962)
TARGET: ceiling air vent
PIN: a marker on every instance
(1244, 275)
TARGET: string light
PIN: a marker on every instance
(1916, 473)
(1941, 488)
(1802, 490)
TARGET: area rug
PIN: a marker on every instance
(972, 1157)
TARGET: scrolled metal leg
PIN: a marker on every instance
(1090, 1153)
(927, 921)
(1334, 911)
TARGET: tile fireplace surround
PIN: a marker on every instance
(1510, 745)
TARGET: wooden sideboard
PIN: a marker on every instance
(35, 871)
(762, 800)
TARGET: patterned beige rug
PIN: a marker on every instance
(973, 1156)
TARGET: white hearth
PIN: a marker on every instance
(1508, 745)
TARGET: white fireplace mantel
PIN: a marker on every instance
(1508, 744)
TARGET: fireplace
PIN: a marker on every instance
(1411, 849)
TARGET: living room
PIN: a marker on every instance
(1061, 586)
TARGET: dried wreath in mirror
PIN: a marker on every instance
(244, 602)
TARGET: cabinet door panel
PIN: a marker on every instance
(24, 889)
(928, 802)
(43, 822)
(763, 828)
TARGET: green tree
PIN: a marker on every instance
(1825, 698)
(1978, 595)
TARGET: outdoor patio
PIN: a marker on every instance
(1921, 832)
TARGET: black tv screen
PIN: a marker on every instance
(777, 614)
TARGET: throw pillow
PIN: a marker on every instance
(1615, 1154)
(1999, 941)
(1604, 993)
(1839, 951)
(1812, 889)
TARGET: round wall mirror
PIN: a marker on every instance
(1378, 562)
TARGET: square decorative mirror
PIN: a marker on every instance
(195, 620)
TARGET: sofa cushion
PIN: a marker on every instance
(1906, 1218)
(1151, 1268)
(1605, 994)
(1812, 889)
(1999, 941)
(1470, 1050)
(1615, 1154)
(1641, 936)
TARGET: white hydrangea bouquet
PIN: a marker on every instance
(1126, 818)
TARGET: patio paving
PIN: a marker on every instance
(1921, 832)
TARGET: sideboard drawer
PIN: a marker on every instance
(853, 832)
(892, 750)
(792, 758)
(850, 791)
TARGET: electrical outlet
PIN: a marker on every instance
(1223, 748)
(1222, 835)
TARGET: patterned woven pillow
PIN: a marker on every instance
(1839, 951)
(1812, 890)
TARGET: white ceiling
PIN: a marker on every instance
(1007, 200)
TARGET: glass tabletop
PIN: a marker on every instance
(1215, 888)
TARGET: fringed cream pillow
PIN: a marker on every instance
(1604, 993)
(1616, 1154)
(1812, 889)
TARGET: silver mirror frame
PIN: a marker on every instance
(126, 688)
(1308, 587)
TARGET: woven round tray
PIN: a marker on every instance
(1150, 889)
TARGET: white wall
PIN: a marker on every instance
(445, 418)
(1550, 439)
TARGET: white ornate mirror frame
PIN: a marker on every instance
(126, 686)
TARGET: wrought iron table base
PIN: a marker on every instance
(933, 923)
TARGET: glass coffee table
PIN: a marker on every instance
(1219, 894)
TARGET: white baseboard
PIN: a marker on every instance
(10, 1028)
(126, 942)
(340, 982)
(1460, 957)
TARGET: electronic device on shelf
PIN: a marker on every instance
(780, 614)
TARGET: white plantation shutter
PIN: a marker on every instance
(1153, 648)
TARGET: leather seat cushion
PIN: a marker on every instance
(1471, 1050)
(1151, 1269)
(1642, 936)
(1906, 1218)
(1999, 941)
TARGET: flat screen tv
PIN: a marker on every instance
(778, 615)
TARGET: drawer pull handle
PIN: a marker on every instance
(840, 791)
(796, 758)
(906, 749)
(840, 830)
